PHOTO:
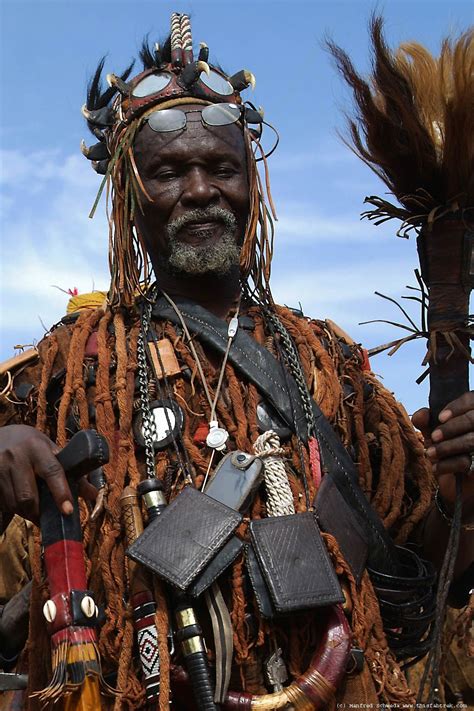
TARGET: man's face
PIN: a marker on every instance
(197, 180)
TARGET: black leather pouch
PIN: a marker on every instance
(179, 544)
(294, 562)
(216, 567)
(260, 590)
(336, 517)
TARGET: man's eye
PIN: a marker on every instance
(165, 175)
(225, 171)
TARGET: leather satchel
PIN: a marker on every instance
(181, 542)
(294, 562)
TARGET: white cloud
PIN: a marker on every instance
(48, 239)
(328, 155)
(17, 168)
(301, 223)
(345, 293)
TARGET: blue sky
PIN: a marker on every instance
(325, 257)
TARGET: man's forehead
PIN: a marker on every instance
(195, 137)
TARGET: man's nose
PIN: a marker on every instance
(199, 189)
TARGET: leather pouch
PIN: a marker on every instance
(179, 544)
(262, 596)
(294, 562)
(216, 567)
(336, 517)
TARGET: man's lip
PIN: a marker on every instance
(200, 225)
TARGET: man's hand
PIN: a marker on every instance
(450, 448)
(25, 455)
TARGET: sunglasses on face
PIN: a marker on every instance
(176, 119)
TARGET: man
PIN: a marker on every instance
(177, 377)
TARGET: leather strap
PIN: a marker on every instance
(262, 369)
(223, 640)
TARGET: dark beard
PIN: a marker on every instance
(219, 258)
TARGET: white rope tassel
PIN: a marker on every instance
(279, 496)
(176, 39)
(186, 36)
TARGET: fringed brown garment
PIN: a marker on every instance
(392, 468)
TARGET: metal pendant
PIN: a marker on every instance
(217, 437)
(276, 673)
(169, 419)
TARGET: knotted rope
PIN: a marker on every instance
(279, 495)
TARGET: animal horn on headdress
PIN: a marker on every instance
(243, 79)
(191, 72)
(176, 40)
(157, 54)
(98, 117)
(118, 83)
(98, 151)
(100, 166)
(97, 133)
(203, 52)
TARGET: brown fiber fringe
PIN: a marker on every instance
(370, 419)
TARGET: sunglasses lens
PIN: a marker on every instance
(167, 120)
(216, 83)
(151, 84)
(221, 114)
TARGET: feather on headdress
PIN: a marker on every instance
(414, 122)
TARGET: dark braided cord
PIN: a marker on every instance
(149, 425)
(288, 350)
(293, 362)
(433, 662)
(186, 465)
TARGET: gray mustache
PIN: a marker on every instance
(211, 214)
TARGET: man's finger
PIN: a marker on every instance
(451, 447)
(454, 427)
(452, 465)
(421, 418)
(457, 407)
(25, 490)
(47, 467)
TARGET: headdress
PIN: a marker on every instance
(171, 76)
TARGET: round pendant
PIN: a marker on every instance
(169, 419)
(217, 438)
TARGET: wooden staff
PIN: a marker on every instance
(445, 251)
(414, 127)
